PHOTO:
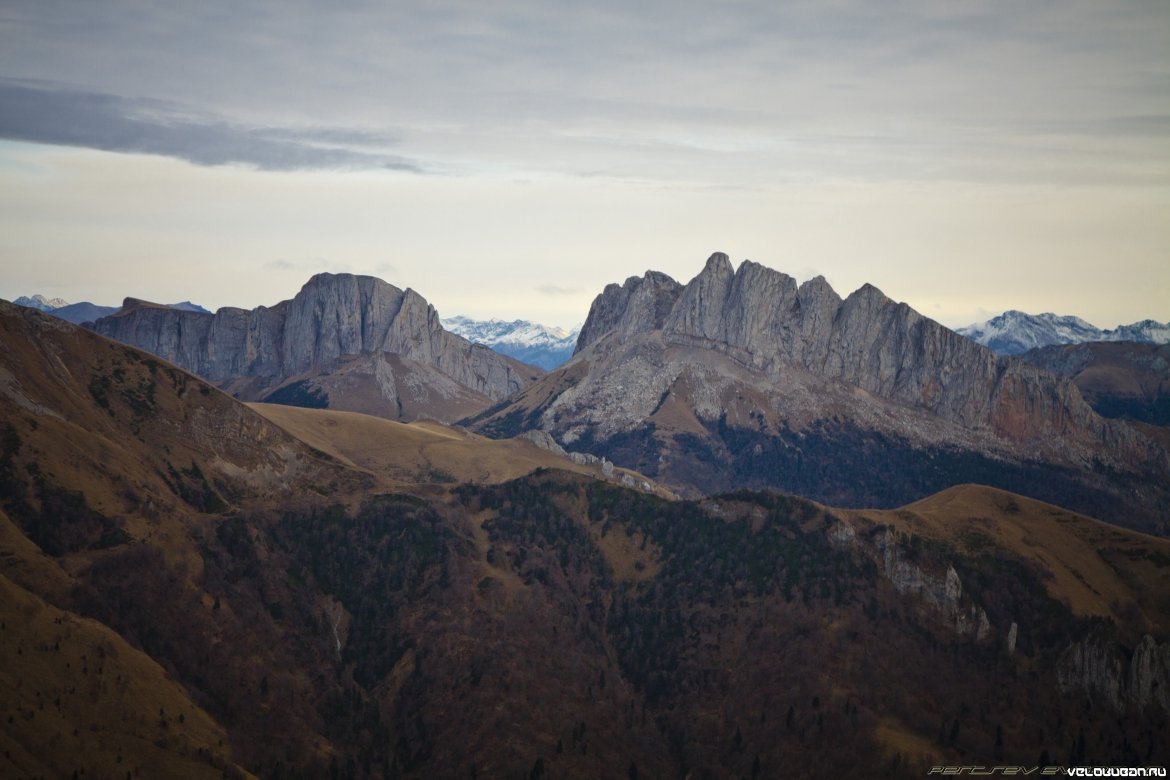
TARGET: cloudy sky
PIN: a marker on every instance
(510, 158)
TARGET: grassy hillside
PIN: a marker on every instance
(415, 453)
(1093, 568)
(191, 585)
(79, 699)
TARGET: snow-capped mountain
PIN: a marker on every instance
(1016, 332)
(529, 342)
(40, 302)
(77, 313)
(1146, 331)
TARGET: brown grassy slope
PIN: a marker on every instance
(1094, 568)
(421, 452)
(1118, 379)
(115, 467)
(408, 453)
(174, 467)
(77, 698)
(129, 431)
(551, 619)
(26, 565)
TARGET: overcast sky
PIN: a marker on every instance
(511, 158)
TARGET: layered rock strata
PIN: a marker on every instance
(333, 318)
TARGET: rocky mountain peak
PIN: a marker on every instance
(1015, 332)
(640, 305)
(745, 377)
(41, 303)
(333, 319)
(869, 292)
(129, 303)
(817, 282)
(700, 307)
(763, 320)
(531, 343)
(718, 264)
(326, 283)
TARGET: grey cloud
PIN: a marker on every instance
(552, 289)
(749, 93)
(330, 135)
(1128, 126)
(309, 265)
(52, 114)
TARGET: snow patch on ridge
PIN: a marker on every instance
(529, 342)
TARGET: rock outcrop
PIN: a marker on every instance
(333, 319)
(745, 378)
(764, 320)
(1108, 672)
(943, 593)
(638, 306)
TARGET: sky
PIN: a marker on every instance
(510, 158)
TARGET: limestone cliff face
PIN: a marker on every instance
(745, 378)
(333, 317)
(640, 305)
(763, 320)
(943, 593)
(1106, 671)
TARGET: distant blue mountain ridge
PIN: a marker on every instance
(537, 345)
(80, 313)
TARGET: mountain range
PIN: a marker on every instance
(80, 313)
(736, 379)
(742, 378)
(1014, 332)
(529, 342)
(197, 587)
(543, 346)
(547, 347)
(41, 303)
(344, 342)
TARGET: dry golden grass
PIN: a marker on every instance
(77, 697)
(1093, 567)
(898, 739)
(501, 574)
(25, 564)
(414, 453)
(677, 414)
(632, 558)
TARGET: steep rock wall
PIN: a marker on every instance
(334, 315)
